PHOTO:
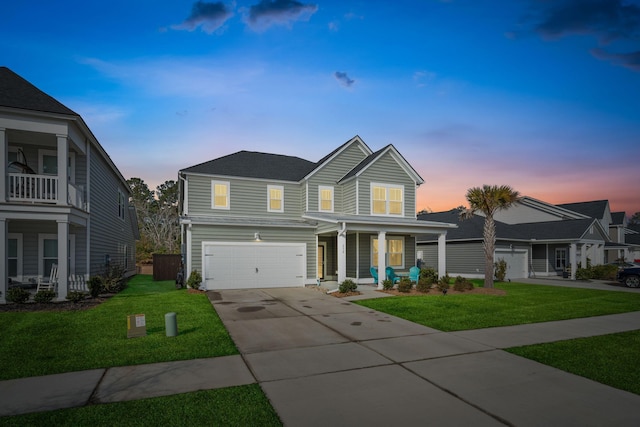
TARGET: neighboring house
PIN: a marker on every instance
(61, 196)
(534, 238)
(625, 240)
(252, 220)
(633, 238)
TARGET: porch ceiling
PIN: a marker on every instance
(377, 224)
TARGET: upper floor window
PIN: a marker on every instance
(220, 195)
(49, 164)
(121, 205)
(325, 202)
(387, 199)
(276, 198)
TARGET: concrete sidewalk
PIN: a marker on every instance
(325, 361)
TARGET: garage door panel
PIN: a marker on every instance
(516, 263)
(238, 266)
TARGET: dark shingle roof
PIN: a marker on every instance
(250, 164)
(472, 228)
(595, 209)
(617, 218)
(16, 92)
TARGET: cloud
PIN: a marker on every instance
(343, 79)
(608, 20)
(209, 16)
(278, 12)
(421, 78)
(628, 60)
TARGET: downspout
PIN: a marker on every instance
(341, 233)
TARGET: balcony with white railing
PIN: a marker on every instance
(34, 188)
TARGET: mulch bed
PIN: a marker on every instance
(85, 304)
(432, 292)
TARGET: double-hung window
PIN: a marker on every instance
(561, 258)
(14, 256)
(220, 195)
(394, 252)
(387, 199)
(325, 199)
(275, 195)
(48, 253)
(121, 205)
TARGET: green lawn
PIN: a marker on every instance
(233, 406)
(522, 304)
(42, 343)
(608, 359)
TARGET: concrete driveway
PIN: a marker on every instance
(325, 361)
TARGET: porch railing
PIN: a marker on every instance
(41, 189)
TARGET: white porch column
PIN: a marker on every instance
(583, 255)
(3, 165)
(382, 258)
(63, 172)
(63, 259)
(189, 254)
(4, 273)
(573, 259)
(442, 254)
(342, 253)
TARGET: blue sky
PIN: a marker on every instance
(540, 95)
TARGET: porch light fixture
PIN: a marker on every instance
(256, 237)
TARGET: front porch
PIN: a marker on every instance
(348, 246)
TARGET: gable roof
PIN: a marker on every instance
(618, 218)
(372, 158)
(595, 209)
(251, 164)
(472, 228)
(16, 92)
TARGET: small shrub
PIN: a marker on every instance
(500, 270)
(462, 284)
(429, 274)
(347, 286)
(387, 284)
(44, 296)
(113, 279)
(424, 284)
(18, 295)
(76, 296)
(194, 280)
(443, 283)
(96, 286)
(405, 285)
(604, 272)
(584, 273)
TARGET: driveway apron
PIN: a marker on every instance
(322, 360)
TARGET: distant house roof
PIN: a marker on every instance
(250, 164)
(16, 92)
(595, 209)
(618, 218)
(472, 228)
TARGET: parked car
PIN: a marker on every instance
(630, 276)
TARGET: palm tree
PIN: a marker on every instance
(489, 199)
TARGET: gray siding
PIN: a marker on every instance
(331, 173)
(386, 171)
(247, 198)
(462, 258)
(201, 233)
(109, 233)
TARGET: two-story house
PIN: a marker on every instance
(257, 220)
(61, 195)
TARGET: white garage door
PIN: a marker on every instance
(253, 265)
(516, 263)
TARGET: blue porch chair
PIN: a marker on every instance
(414, 274)
(374, 274)
(391, 275)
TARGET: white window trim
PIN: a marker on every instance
(321, 188)
(566, 259)
(213, 195)
(72, 163)
(18, 237)
(122, 205)
(387, 187)
(275, 187)
(72, 252)
(374, 258)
